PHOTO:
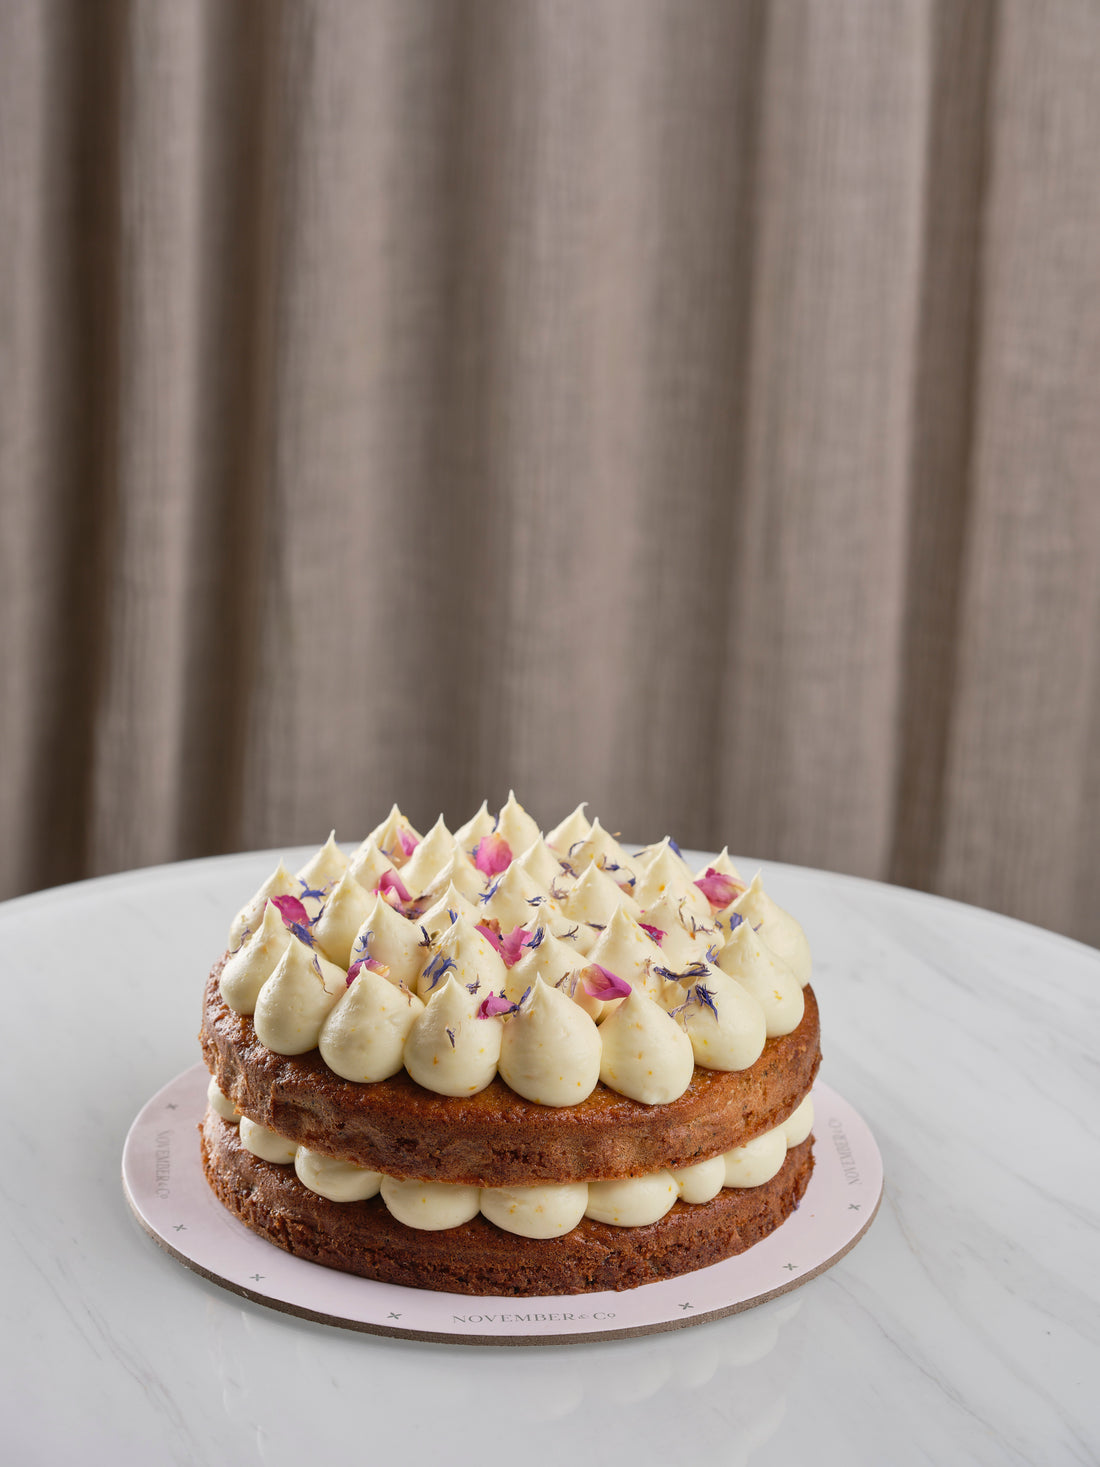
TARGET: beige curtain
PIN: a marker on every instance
(690, 407)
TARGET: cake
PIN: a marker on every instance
(497, 1062)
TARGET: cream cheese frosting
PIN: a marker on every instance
(572, 829)
(476, 829)
(220, 1103)
(346, 908)
(433, 853)
(782, 932)
(550, 1049)
(393, 835)
(446, 909)
(748, 958)
(266, 1144)
(431, 1206)
(667, 875)
(596, 898)
(724, 1022)
(599, 846)
(628, 952)
(279, 883)
(325, 867)
(646, 1055)
(554, 962)
(546, 1211)
(514, 899)
(249, 968)
(363, 1036)
(634, 1201)
(294, 1002)
(469, 957)
(540, 863)
(757, 1161)
(517, 827)
(695, 1000)
(449, 1049)
(392, 939)
(339, 1181)
(535, 1212)
(368, 865)
(461, 873)
(682, 942)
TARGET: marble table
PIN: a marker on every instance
(964, 1327)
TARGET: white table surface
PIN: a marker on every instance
(964, 1327)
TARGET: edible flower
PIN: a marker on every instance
(290, 909)
(693, 970)
(492, 934)
(437, 967)
(372, 965)
(492, 855)
(494, 1005)
(295, 916)
(718, 888)
(653, 933)
(600, 982)
(408, 841)
(510, 947)
(393, 889)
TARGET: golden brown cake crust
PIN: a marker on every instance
(496, 1138)
(477, 1257)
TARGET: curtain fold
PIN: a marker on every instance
(689, 407)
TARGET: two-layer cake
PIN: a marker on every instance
(493, 1062)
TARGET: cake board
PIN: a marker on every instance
(164, 1184)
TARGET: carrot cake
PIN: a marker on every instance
(495, 1061)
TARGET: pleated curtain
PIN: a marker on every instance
(690, 407)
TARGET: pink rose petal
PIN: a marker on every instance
(490, 1007)
(372, 965)
(391, 885)
(492, 855)
(718, 888)
(491, 936)
(600, 982)
(408, 841)
(512, 947)
(653, 933)
(291, 910)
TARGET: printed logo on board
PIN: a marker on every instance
(844, 1153)
(526, 1318)
(163, 1165)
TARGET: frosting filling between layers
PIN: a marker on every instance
(545, 1211)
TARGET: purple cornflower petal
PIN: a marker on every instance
(451, 1036)
(600, 982)
(437, 967)
(704, 996)
(492, 855)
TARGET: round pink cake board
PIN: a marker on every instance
(164, 1183)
